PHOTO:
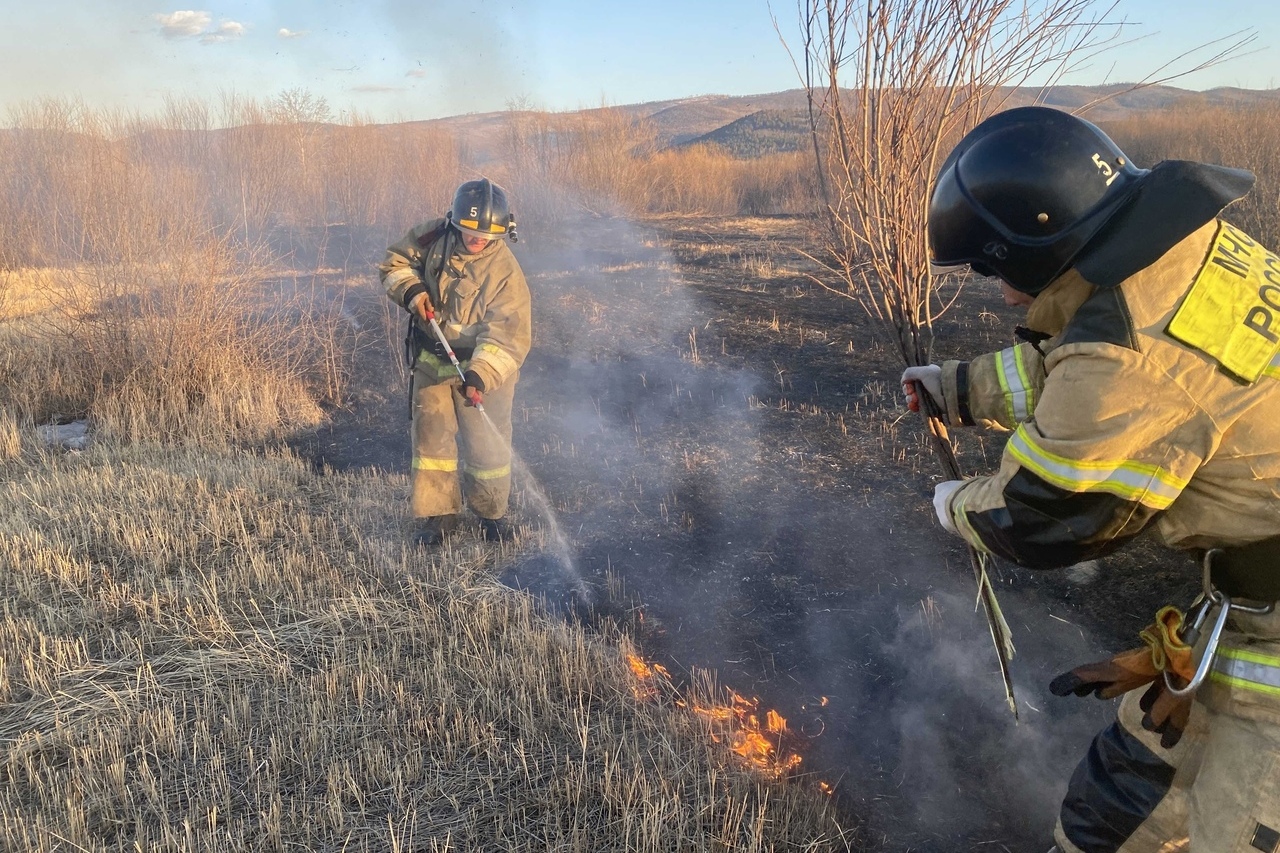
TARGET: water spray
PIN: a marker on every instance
(559, 542)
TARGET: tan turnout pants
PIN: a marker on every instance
(451, 439)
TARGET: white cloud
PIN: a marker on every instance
(417, 72)
(186, 24)
(226, 31)
(286, 33)
(191, 24)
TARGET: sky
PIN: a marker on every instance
(399, 60)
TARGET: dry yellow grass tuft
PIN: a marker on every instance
(28, 291)
(206, 650)
(10, 436)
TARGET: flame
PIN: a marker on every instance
(644, 670)
(647, 675)
(758, 738)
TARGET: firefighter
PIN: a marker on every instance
(460, 271)
(1144, 395)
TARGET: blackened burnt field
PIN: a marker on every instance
(724, 445)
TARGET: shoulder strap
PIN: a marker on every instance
(425, 241)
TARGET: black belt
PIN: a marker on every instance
(1248, 571)
(425, 340)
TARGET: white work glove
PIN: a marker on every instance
(930, 376)
(941, 493)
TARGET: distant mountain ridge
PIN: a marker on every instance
(750, 125)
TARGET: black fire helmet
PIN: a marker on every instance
(480, 209)
(1023, 193)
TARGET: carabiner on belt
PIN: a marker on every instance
(1210, 598)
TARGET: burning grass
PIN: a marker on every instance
(205, 650)
(760, 739)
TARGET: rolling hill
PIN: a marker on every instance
(751, 125)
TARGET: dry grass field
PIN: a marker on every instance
(210, 643)
(220, 650)
(730, 621)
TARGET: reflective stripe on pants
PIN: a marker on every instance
(446, 429)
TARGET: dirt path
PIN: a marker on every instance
(725, 440)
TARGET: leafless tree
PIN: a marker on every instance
(893, 84)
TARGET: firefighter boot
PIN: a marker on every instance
(432, 530)
(497, 529)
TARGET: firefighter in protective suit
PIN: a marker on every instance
(1145, 394)
(459, 271)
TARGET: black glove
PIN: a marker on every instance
(1164, 652)
(420, 305)
(1164, 713)
(473, 388)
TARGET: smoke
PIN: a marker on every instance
(967, 749)
(671, 431)
(469, 55)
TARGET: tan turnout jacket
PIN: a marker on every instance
(1121, 425)
(481, 300)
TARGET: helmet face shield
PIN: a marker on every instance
(471, 232)
(1023, 193)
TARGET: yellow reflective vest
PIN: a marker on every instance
(1154, 402)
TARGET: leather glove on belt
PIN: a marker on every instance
(1164, 651)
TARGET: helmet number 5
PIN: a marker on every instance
(1105, 168)
(475, 211)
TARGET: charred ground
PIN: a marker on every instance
(724, 446)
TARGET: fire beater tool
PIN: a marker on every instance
(1001, 636)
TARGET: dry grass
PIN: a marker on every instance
(24, 292)
(213, 651)
(203, 348)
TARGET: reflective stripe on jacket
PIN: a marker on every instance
(1247, 670)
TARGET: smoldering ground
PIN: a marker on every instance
(725, 442)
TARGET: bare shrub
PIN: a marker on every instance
(529, 168)
(699, 179)
(559, 166)
(601, 160)
(892, 85)
(419, 170)
(607, 162)
(777, 183)
(189, 347)
(152, 295)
